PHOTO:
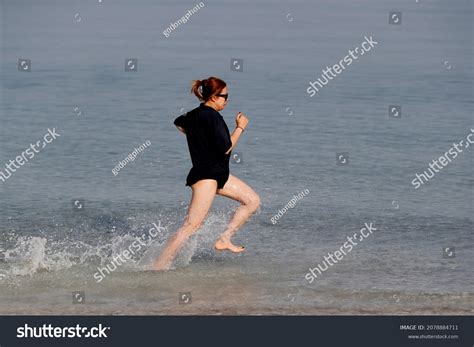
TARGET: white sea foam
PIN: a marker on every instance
(28, 255)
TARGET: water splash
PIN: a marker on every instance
(60, 250)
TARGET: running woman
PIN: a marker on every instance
(210, 146)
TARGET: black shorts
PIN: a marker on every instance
(197, 174)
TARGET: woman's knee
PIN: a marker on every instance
(253, 202)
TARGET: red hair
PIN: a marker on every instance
(207, 88)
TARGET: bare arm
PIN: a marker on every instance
(241, 123)
(235, 138)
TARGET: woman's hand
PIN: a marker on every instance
(241, 120)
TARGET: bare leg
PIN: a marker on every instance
(204, 192)
(250, 202)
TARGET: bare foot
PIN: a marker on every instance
(222, 245)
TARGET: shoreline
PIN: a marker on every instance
(202, 311)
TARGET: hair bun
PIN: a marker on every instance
(204, 89)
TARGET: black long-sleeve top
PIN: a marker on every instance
(208, 140)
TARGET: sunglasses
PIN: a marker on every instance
(225, 96)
